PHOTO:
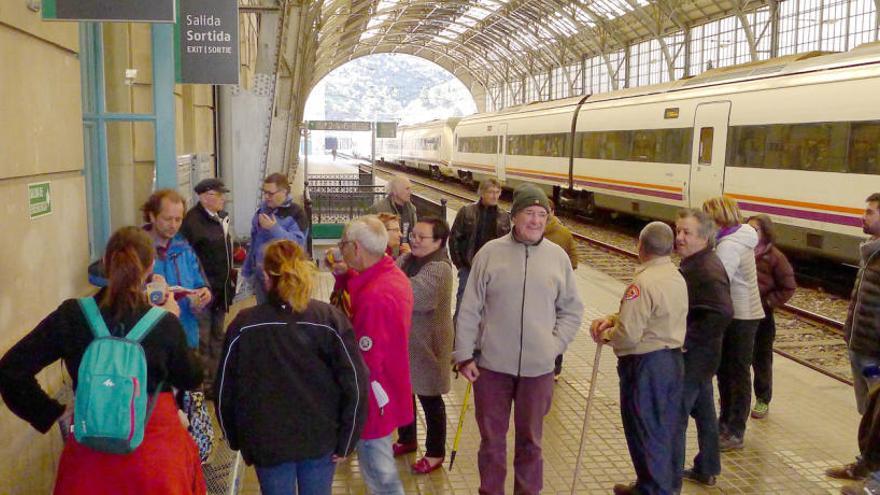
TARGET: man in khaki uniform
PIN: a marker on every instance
(647, 335)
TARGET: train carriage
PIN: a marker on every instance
(797, 138)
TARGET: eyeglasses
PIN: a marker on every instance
(416, 237)
(270, 193)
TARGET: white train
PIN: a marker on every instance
(427, 146)
(797, 138)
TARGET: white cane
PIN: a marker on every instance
(577, 466)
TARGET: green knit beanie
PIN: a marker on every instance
(529, 195)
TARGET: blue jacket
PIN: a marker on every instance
(180, 266)
(291, 223)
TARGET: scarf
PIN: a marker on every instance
(413, 265)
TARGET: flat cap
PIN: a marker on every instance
(211, 184)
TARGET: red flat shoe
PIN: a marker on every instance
(423, 466)
(403, 448)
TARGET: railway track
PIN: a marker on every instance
(804, 336)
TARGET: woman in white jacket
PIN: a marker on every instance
(735, 244)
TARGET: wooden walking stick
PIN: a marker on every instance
(464, 406)
(586, 427)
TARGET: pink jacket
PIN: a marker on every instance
(381, 306)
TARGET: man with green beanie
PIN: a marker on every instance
(522, 308)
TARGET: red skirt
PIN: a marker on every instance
(167, 462)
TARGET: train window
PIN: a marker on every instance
(707, 134)
(552, 145)
(748, 145)
(864, 148)
(644, 146)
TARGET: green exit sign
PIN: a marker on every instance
(39, 199)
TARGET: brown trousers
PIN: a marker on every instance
(531, 398)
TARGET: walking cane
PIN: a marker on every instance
(464, 406)
(577, 466)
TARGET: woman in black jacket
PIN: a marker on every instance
(292, 385)
(167, 448)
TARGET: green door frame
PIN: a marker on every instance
(96, 117)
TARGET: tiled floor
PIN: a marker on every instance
(812, 425)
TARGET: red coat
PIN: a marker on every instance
(167, 462)
(381, 306)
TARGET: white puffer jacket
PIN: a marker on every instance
(737, 253)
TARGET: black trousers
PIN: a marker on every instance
(869, 430)
(734, 376)
(762, 361)
(435, 424)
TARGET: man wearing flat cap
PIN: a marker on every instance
(519, 311)
(206, 228)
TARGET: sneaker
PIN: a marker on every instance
(854, 471)
(403, 448)
(760, 410)
(730, 442)
(869, 486)
(703, 479)
(424, 466)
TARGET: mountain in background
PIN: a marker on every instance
(390, 87)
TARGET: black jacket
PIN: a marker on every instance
(65, 334)
(863, 317)
(204, 233)
(291, 386)
(463, 236)
(710, 310)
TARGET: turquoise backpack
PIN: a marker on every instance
(111, 408)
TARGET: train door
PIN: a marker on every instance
(501, 157)
(707, 157)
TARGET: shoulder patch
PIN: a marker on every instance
(365, 343)
(632, 292)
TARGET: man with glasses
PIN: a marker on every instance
(278, 217)
(206, 228)
(398, 202)
(381, 313)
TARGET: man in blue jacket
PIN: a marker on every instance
(175, 259)
(277, 218)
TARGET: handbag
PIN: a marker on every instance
(200, 426)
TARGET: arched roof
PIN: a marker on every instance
(488, 42)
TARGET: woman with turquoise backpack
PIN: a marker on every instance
(124, 434)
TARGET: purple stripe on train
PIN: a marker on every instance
(634, 190)
(805, 214)
(602, 185)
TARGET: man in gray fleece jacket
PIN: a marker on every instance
(520, 310)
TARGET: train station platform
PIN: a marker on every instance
(812, 425)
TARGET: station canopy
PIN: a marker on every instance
(489, 42)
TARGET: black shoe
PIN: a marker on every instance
(621, 489)
(703, 479)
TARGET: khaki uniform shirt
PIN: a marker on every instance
(653, 311)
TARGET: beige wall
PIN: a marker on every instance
(46, 259)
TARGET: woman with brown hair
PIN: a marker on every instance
(167, 448)
(776, 284)
(292, 390)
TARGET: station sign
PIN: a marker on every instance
(206, 42)
(109, 10)
(39, 199)
(339, 125)
(386, 129)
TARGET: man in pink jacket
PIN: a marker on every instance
(381, 312)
